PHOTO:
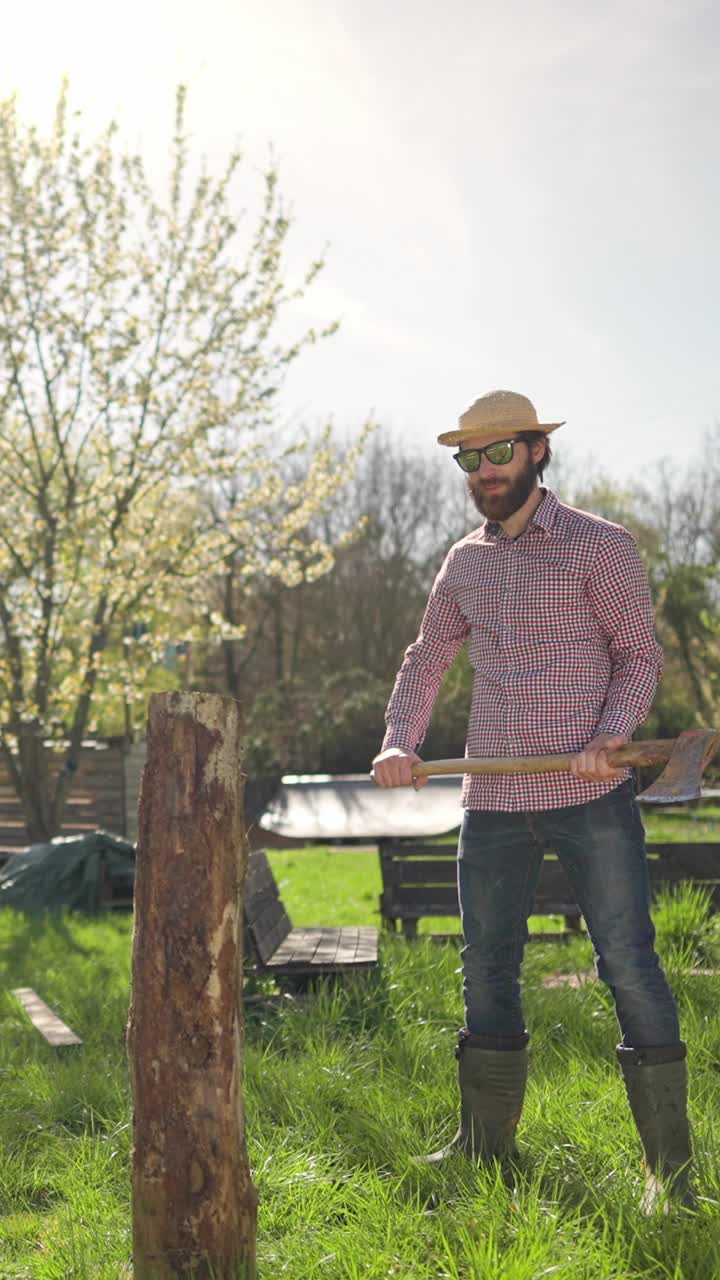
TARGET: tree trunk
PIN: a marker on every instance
(194, 1204)
(34, 777)
(703, 704)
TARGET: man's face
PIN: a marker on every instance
(499, 491)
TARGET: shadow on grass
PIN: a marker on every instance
(32, 931)
(358, 1003)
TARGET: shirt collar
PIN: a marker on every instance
(547, 512)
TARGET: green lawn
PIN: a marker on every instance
(685, 822)
(344, 1087)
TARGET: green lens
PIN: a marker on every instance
(468, 459)
(499, 453)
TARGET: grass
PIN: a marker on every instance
(344, 1088)
(693, 821)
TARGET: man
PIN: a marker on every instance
(555, 607)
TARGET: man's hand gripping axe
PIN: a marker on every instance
(685, 758)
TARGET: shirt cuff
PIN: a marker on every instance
(398, 736)
(617, 722)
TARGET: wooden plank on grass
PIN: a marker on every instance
(50, 1026)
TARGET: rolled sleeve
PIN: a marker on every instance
(619, 595)
(443, 632)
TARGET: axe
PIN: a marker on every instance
(685, 759)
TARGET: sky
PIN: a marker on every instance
(520, 195)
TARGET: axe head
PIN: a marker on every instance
(681, 779)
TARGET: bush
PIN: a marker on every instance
(684, 924)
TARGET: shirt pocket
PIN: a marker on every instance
(550, 604)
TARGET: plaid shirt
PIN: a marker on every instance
(561, 637)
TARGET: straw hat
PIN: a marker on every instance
(497, 411)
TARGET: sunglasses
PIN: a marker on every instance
(499, 453)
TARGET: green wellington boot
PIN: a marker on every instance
(492, 1088)
(656, 1084)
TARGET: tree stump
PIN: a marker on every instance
(194, 1204)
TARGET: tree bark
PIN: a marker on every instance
(33, 770)
(194, 1204)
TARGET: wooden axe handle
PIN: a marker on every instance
(654, 751)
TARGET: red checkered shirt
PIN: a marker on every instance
(561, 636)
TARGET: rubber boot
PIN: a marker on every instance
(656, 1084)
(492, 1076)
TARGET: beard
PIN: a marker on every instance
(509, 497)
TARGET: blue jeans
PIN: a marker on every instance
(601, 845)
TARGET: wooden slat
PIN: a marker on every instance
(267, 940)
(426, 871)
(69, 829)
(298, 946)
(325, 949)
(50, 1026)
(262, 910)
(10, 808)
(263, 914)
(699, 860)
(398, 848)
(674, 874)
(259, 874)
(440, 900)
(328, 948)
(313, 944)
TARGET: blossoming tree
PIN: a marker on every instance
(139, 368)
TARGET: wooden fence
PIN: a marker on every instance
(105, 794)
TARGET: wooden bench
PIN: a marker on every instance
(420, 880)
(274, 947)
